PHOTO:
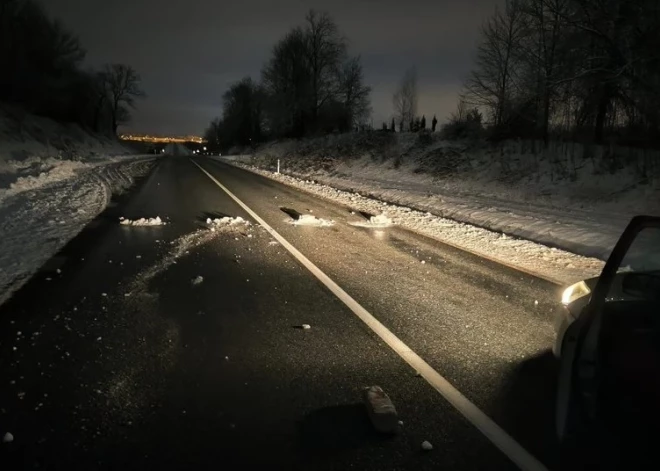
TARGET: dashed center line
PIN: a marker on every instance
(502, 440)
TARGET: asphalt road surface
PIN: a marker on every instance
(113, 357)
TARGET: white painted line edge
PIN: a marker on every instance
(502, 440)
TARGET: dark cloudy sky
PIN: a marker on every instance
(188, 51)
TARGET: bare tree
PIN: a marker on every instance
(353, 94)
(123, 86)
(242, 117)
(326, 50)
(493, 81)
(286, 80)
(311, 84)
(405, 98)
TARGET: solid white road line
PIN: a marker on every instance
(502, 440)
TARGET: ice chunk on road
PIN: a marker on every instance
(380, 220)
(198, 280)
(310, 220)
(157, 221)
(227, 221)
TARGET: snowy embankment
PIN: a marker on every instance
(513, 206)
(48, 194)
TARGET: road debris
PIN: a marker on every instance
(306, 326)
(7, 438)
(426, 446)
(198, 280)
(381, 410)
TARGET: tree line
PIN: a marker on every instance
(582, 70)
(41, 70)
(309, 86)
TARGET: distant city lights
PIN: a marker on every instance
(162, 139)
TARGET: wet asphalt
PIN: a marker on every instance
(111, 357)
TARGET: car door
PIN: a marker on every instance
(625, 298)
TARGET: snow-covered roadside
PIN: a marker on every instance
(41, 213)
(550, 263)
(570, 196)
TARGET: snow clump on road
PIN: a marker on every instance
(157, 221)
(310, 220)
(380, 220)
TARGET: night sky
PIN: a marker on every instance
(189, 51)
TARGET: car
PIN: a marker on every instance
(608, 341)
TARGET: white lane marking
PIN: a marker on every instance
(502, 440)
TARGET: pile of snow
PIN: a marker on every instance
(310, 220)
(157, 221)
(227, 221)
(378, 221)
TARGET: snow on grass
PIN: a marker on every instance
(157, 221)
(557, 265)
(310, 220)
(562, 195)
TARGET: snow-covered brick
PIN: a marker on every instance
(426, 446)
(157, 221)
(198, 280)
(381, 410)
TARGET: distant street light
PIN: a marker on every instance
(204, 149)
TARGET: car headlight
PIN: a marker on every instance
(575, 292)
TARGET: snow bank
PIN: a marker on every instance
(37, 223)
(36, 151)
(562, 197)
(546, 262)
(142, 222)
(54, 179)
(565, 196)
